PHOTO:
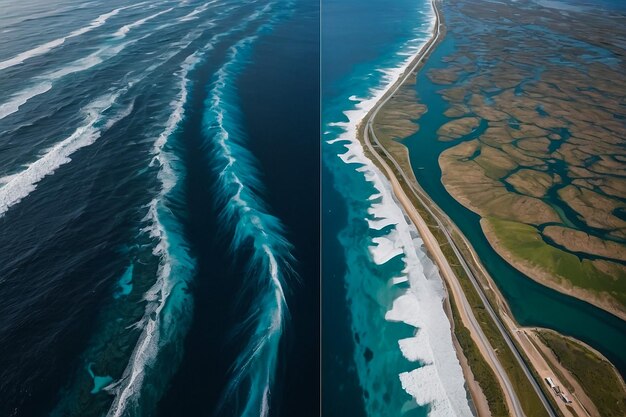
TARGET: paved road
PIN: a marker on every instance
(517, 409)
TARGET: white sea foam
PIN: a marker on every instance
(195, 12)
(245, 212)
(19, 99)
(147, 347)
(123, 31)
(416, 348)
(48, 46)
(18, 186)
(146, 350)
(398, 280)
(386, 248)
(46, 81)
(418, 384)
(85, 63)
(439, 382)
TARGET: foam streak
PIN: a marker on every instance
(123, 31)
(48, 46)
(20, 185)
(175, 266)
(46, 81)
(247, 216)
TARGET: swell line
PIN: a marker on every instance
(169, 303)
(47, 80)
(123, 31)
(100, 56)
(247, 216)
(18, 186)
(194, 14)
(48, 46)
(174, 269)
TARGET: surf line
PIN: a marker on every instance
(17, 186)
(247, 216)
(438, 381)
(162, 319)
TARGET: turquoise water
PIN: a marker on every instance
(532, 304)
(125, 284)
(361, 357)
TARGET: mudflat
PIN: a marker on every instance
(537, 125)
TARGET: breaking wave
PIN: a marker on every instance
(18, 186)
(123, 31)
(255, 232)
(436, 381)
(108, 50)
(169, 305)
(168, 302)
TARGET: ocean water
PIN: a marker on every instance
(386, 342)
(148, 228)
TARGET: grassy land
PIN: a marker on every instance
(525, 244)
(528, 398)
(531, 403)
(596, 376)
(479, 366)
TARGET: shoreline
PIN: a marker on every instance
(502, 305)
(474, 390)
(538, 275)
(450, 280)
(447, 384)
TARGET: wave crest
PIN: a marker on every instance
(246, 215)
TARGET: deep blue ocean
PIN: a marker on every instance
(159, 215)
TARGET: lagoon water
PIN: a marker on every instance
(122, 292)
(532, 304)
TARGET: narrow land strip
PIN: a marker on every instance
(435, 251)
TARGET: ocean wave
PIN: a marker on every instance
(176, 265)
(19, 99)
(48, 46)
(18, 186)
(194, 14)
(168, 302)
(123, 31)
(47, 80)
(246, 215)
(175, 49)
(439, 381)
